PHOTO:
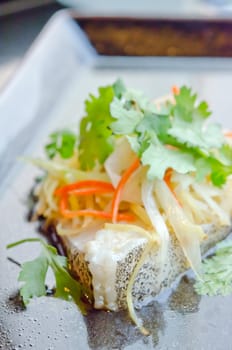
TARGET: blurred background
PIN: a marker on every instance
(20, 23)
(22, 20)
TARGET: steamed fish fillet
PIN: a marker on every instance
(105, 260)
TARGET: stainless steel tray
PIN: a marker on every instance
(47, 92)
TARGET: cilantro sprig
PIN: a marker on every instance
(33, 275)
(95, 135)
(176, 136)
(217, 272)
(96, 141)
(62, 142)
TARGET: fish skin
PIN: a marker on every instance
(152, 277)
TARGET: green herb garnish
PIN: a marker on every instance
(95, 135)
(62, 142)
(176, 136)
(217, 272)
(33, 275)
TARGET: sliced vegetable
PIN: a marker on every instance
(90, 212)
(228, 133)
(117, 162)
(137, 321)
(159, 225)
(118, 192)
(175, 90)
(89, 191)
(204, 193)
(65, 173)
(86, 184)
(188, 234)
(168, 181)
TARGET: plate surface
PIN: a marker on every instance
(63, 78)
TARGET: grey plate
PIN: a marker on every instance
(47, 92)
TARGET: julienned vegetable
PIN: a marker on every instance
(137, 196)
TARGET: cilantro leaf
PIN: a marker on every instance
(217, 272)
(159, 159)
(203, 168)
(118, 111)
(213, 135)
(188, 123)
(62, 142)
(129, 121)
(154, 124)
(119, 88)
(219, 172)
(211, 166)
(225, 154)
(185, 107)
(66, 286)
(195, 146)
(95, 135)
(33, 287)
(194, 135)
(33, 275)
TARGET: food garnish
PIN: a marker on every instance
(176, 133)
(95, 136)
(144, 181)
(33, 275)
(62, 142)
(217, 272)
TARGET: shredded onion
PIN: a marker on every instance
(155, 216)
(117, 162)
(131, 309)
(141, 213)
(188, 234)
(223, 217)
(130, 227)
(66, 173)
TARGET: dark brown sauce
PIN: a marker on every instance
(52, 237)
(47, 230)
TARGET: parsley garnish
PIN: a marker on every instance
(217, 272)
(33, 275)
